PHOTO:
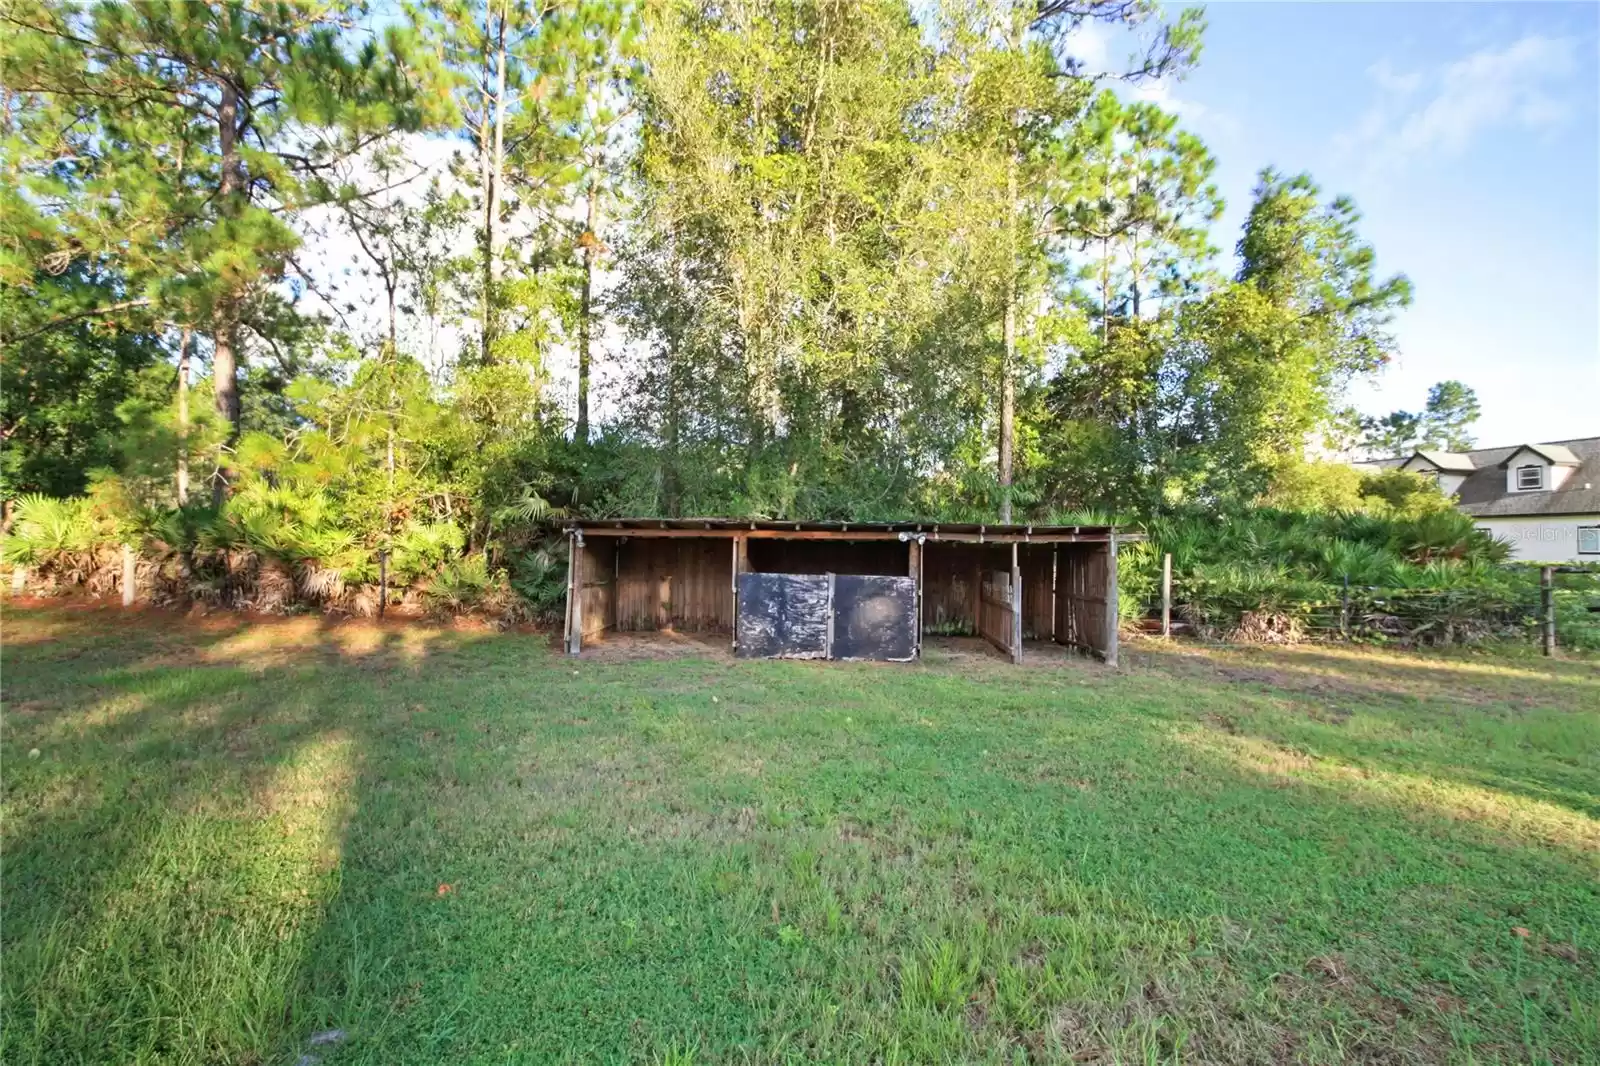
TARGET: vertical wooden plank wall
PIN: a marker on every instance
(996, 622)
(1037, 561)
(597, 590)
(677, 582)
(952, 583)
(1086, 601)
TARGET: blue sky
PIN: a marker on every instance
(1469, 136)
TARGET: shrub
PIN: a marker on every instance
(1281, 575)
(460, 585)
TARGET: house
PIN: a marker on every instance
(1542, 498)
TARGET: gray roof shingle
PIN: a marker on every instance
(1483, 492)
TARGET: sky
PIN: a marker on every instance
(1469, 137)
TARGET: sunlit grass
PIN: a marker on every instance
(429, 845)
(1528, 821)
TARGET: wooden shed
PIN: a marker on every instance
(843, 590)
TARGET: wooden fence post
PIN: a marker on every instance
(1166, 594)
(383, 582)
(1547, 609)
(130, 575)
(19, 579)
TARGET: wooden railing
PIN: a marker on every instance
(999, 606)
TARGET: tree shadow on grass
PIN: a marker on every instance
(474, 851)
(172, 844)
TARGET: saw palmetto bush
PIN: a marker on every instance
(65, 544)
(1264, 574)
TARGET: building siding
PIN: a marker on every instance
(1542, 538)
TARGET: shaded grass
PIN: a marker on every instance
(461, 847)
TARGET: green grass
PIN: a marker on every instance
(461, 847)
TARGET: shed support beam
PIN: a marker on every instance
(575, 595)
(914, 568)
(1111, 621)
(1016, 605)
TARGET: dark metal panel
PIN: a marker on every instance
(783, 616)
(874, 617)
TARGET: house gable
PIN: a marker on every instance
(1538, 468)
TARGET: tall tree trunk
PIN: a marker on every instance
(493, 146)
(225, 316)
(1008, 360)
(183, 415)
(670, 481)
(591, 243)
(1105, 272)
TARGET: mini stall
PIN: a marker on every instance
(843, 590)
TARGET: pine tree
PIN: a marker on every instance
(204, 130)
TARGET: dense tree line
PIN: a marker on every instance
(833, 259)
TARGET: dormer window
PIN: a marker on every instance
(1529, 478)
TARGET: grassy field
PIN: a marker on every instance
(230, 842)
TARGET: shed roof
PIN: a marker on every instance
(997, 532)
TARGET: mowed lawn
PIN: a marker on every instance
(251, 842)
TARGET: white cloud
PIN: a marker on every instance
(1439, 113)
(1197, 116)
(1090, 44)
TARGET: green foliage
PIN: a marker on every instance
(1268, 574)
(43, 527)
(1311, 485)
(1445, 423)
(1402, 494)
(863, 251)
(460, 585)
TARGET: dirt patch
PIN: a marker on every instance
(651, 646)
(969, 653)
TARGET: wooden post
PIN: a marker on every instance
(576, 644)
(130, 575)
(914, 571)
(566, 621)
(1166, 594)
(1344, 609)
(1111, 601)
(827, 650)
(19, 579)
(1016, 605)
(383, 582)
(741, 562)
(1547, 609)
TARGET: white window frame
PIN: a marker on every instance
(1594, 549)
(1538, 478)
